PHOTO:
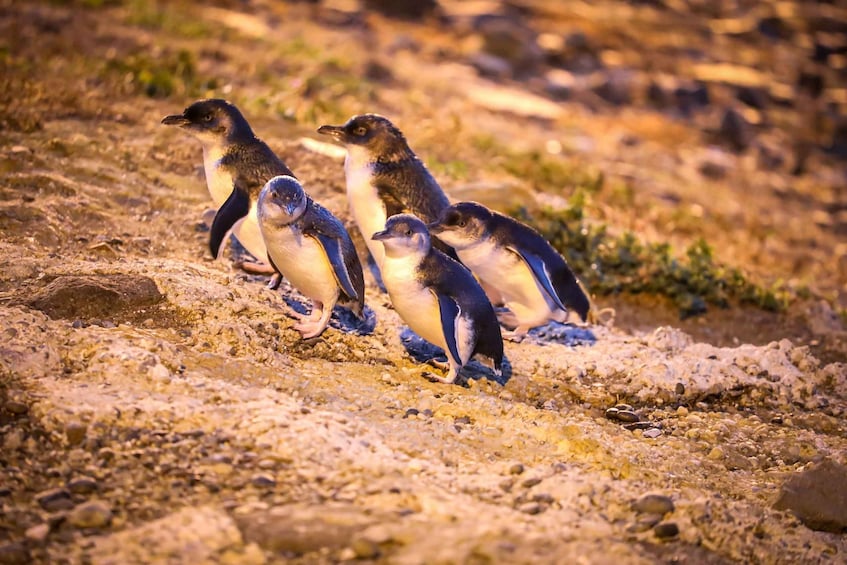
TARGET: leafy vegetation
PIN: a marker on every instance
(610, 264)
(173, 72)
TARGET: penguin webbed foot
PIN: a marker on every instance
(274, 282)
(316, 322)
(449, 378)
(517, 335)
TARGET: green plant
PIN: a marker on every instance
(613, 264)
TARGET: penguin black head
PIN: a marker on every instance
(212, 120)
(282, 200)
(461, 224)
(372, 132)
(404, 234)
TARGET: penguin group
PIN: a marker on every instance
(445, 266)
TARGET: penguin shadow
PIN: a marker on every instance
(561, 334)
(423, 351)
(343, 319)
(374, 270)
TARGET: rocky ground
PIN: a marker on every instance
(157, 406)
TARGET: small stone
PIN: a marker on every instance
(15, 407)
(626, 416)
(817, 496)
(680, 389)
(93, 514)
(55, 499)
(543, 498)
(82, 485)
(653, 503)
(627, 407)
(411, 412)
(5, 491)
(715, 454)
(37, 533)
(531, 482)
(531, 508)
(652, 433)
(516, 469)
(682, 411)
(644, 522)
(14, 553)
(75, 432)
(665, 530)
(263, 481)
(364, 548)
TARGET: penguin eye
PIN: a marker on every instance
(360, 131)
(408, 233)
(462, 223)
(208, 118)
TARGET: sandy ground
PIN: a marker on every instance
(157, 406)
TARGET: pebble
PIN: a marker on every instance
(715, 454)
(55, 499)
(682, 411)
(621, 415)
(516, 469)
(263, 481)
(37, 533)
(16, 407)
(82, 485)
(652, 433)
(653, 503)
(531, 482)
(364, 548)
(75, 432)
(93, 514)
(14, 553)
(817, 496)
(531, 508)
(664, 530)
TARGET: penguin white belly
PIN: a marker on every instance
(365, 205)
(247, 232)
(415, 303)
(304, 263)
(418, 307)
(218, 181)
(508, 273)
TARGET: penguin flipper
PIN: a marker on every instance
(449, 310)
(236, 207)
(332, 248)
(542, 275)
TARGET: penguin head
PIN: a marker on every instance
(404, 234)
(282, 200)
(462, 224)
(371, 132)
(212, 121)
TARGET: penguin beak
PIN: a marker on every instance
(333, 131)
(176, 120)
(380, 235)
(435, 227)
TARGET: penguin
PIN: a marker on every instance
(384, 177)
(313, 250)
(533, 279)
(237, 166)
(437, 296)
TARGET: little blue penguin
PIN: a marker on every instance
(237, 165)
(312, 250)
(533, 279)
(438, 297)
(384, 177)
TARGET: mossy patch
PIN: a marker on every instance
(611, 264)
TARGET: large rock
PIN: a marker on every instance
(89, 297)
(817, 496)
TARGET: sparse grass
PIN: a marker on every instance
(613, 264)
(171, 73)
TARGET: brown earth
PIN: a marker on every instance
(157, 405)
